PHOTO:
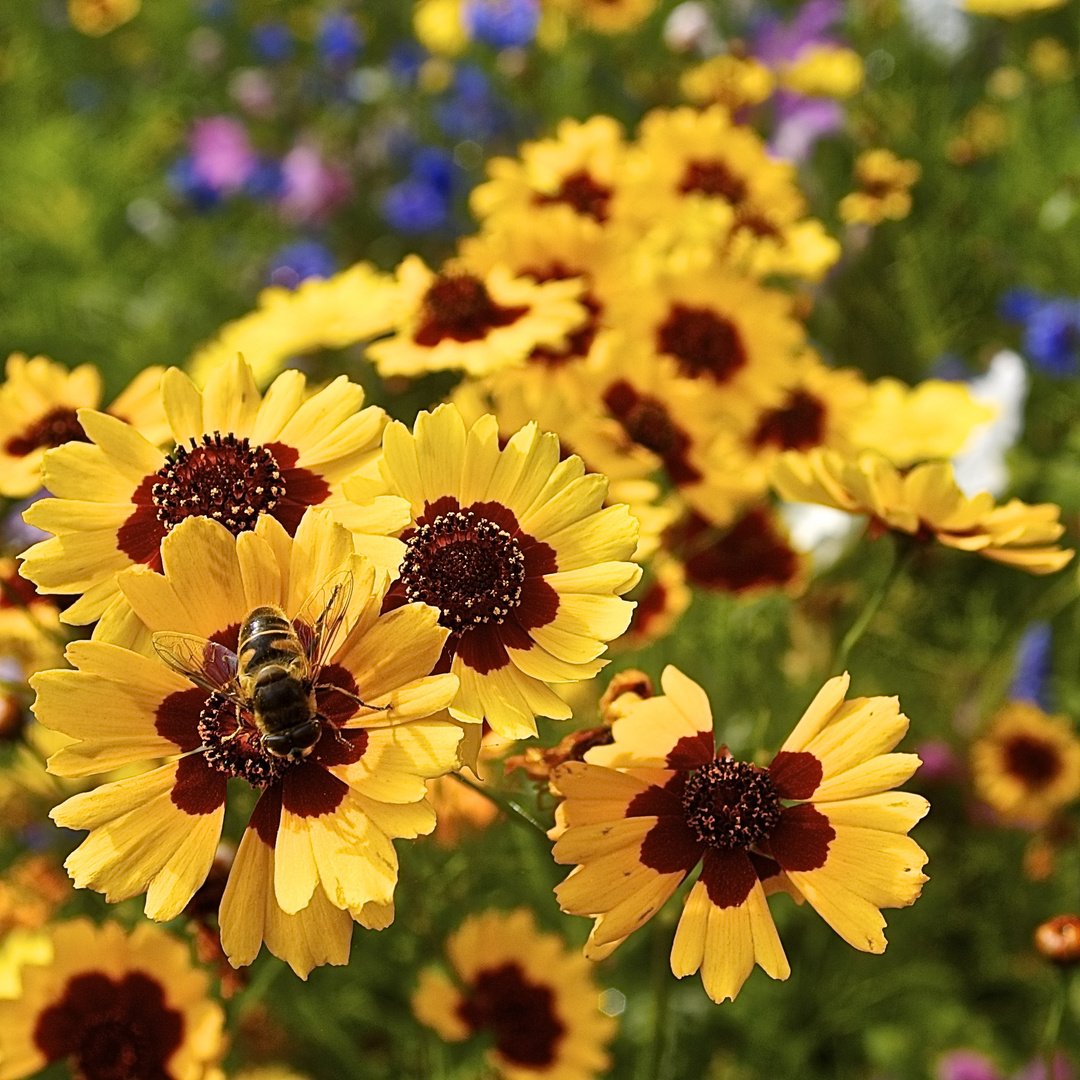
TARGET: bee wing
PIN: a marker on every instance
(206, 663)
(322, 615)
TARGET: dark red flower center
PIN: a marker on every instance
(467, 566)
(730, 804)
(798, 424)
(223, 478)
(459, 306)
(520, 1013)
(703, 342)
(715, 179)
(586, 195)
(1034, 762)
(56, 427)
(111, 1029)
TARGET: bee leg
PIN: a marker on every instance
(350, 694)
(239, 726)
(328, 723)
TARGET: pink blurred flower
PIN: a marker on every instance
(312, 187)
(221, 152)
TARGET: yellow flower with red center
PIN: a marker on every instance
(354, 305)
(580, 167)
(705, 181)
(1027, 766)
(38, 405)
(110, 1003)
(820, 822)
(476, 323)
(735, 82)
(517, 551)
(609, 16)
(317, 852)
(925, 502)
(884, 188)
(533, 997)
(238, 455)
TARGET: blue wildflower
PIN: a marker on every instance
(470, 110)
(301, 260)
(186, 180)
(272, 41)
(339, 39)
(1033, 666)
(434, 166)
(267, 180)
(502, 24)
(1051, 329)
(414, 205)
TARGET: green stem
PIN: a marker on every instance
(661, 994)
(901, 555)
(1052, 1031)
(511, 807)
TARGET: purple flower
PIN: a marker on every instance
(272, 41)
(339, 39)
(1033, 665)
(940, 764)
(502, 24)
(966, 1065)
(299, 261)
(800, 122)
(221, 153)
(186, 181)
(776, 41)
(1051, 329)
(311, 188)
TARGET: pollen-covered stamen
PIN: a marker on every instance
(233, 745)
(223, 478)
(467, 566)
(730, 804)
(56, 427)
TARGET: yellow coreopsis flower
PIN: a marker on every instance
(641, 813)
(884, 188)
(107, 1002)
(97, 17)
(518, 553)
(732, 81)
(1010, 9)
(524, 988)
(925, 502)
(317, 851)
(238, 455)
(825, 71)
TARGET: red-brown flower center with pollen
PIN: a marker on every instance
(465, 565)
(223, 478)
(111, 1029)
(798, 424)
(730, 804)
(520, 1013)
(703, 342)
(587, 196)
(715, 179)
(1032, 761)
(234, 747)
(459, 306)
(56, 427)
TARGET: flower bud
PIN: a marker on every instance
(1058, 939)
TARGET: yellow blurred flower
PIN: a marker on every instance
(1050, 60)
(732, 81)
(1027, 766)
(824, 71)
(1010, 9)
(439, 27)
(608, 16)
(97, 17)
(884, 180)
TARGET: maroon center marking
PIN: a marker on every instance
(579, 190)
(801, 838)
(56, 427)
(520, 1013)
(692, 751)
(798, 424)
(648, 423)
(17, 592)
(752, 554)
(715, 179)
(459, 307)
(669, 847)
(1033, 761)
(111, 1029)
(266, 816)
(704, 343)
(796, 774)
(199, 788)
(177, 718)
(729, 876)
(308, 790)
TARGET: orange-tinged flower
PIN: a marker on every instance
(110, 1003)
(820, 822)
(238, 456)
(97, 17)
(524, 989)
(317, 852)
(925, 502)
(516, 550)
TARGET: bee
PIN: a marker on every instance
(273, 675)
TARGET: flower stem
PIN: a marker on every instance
(511, 807)
(901, 554)
(661, 995)
(1052, 1031)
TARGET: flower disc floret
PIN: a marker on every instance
(730, 804)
